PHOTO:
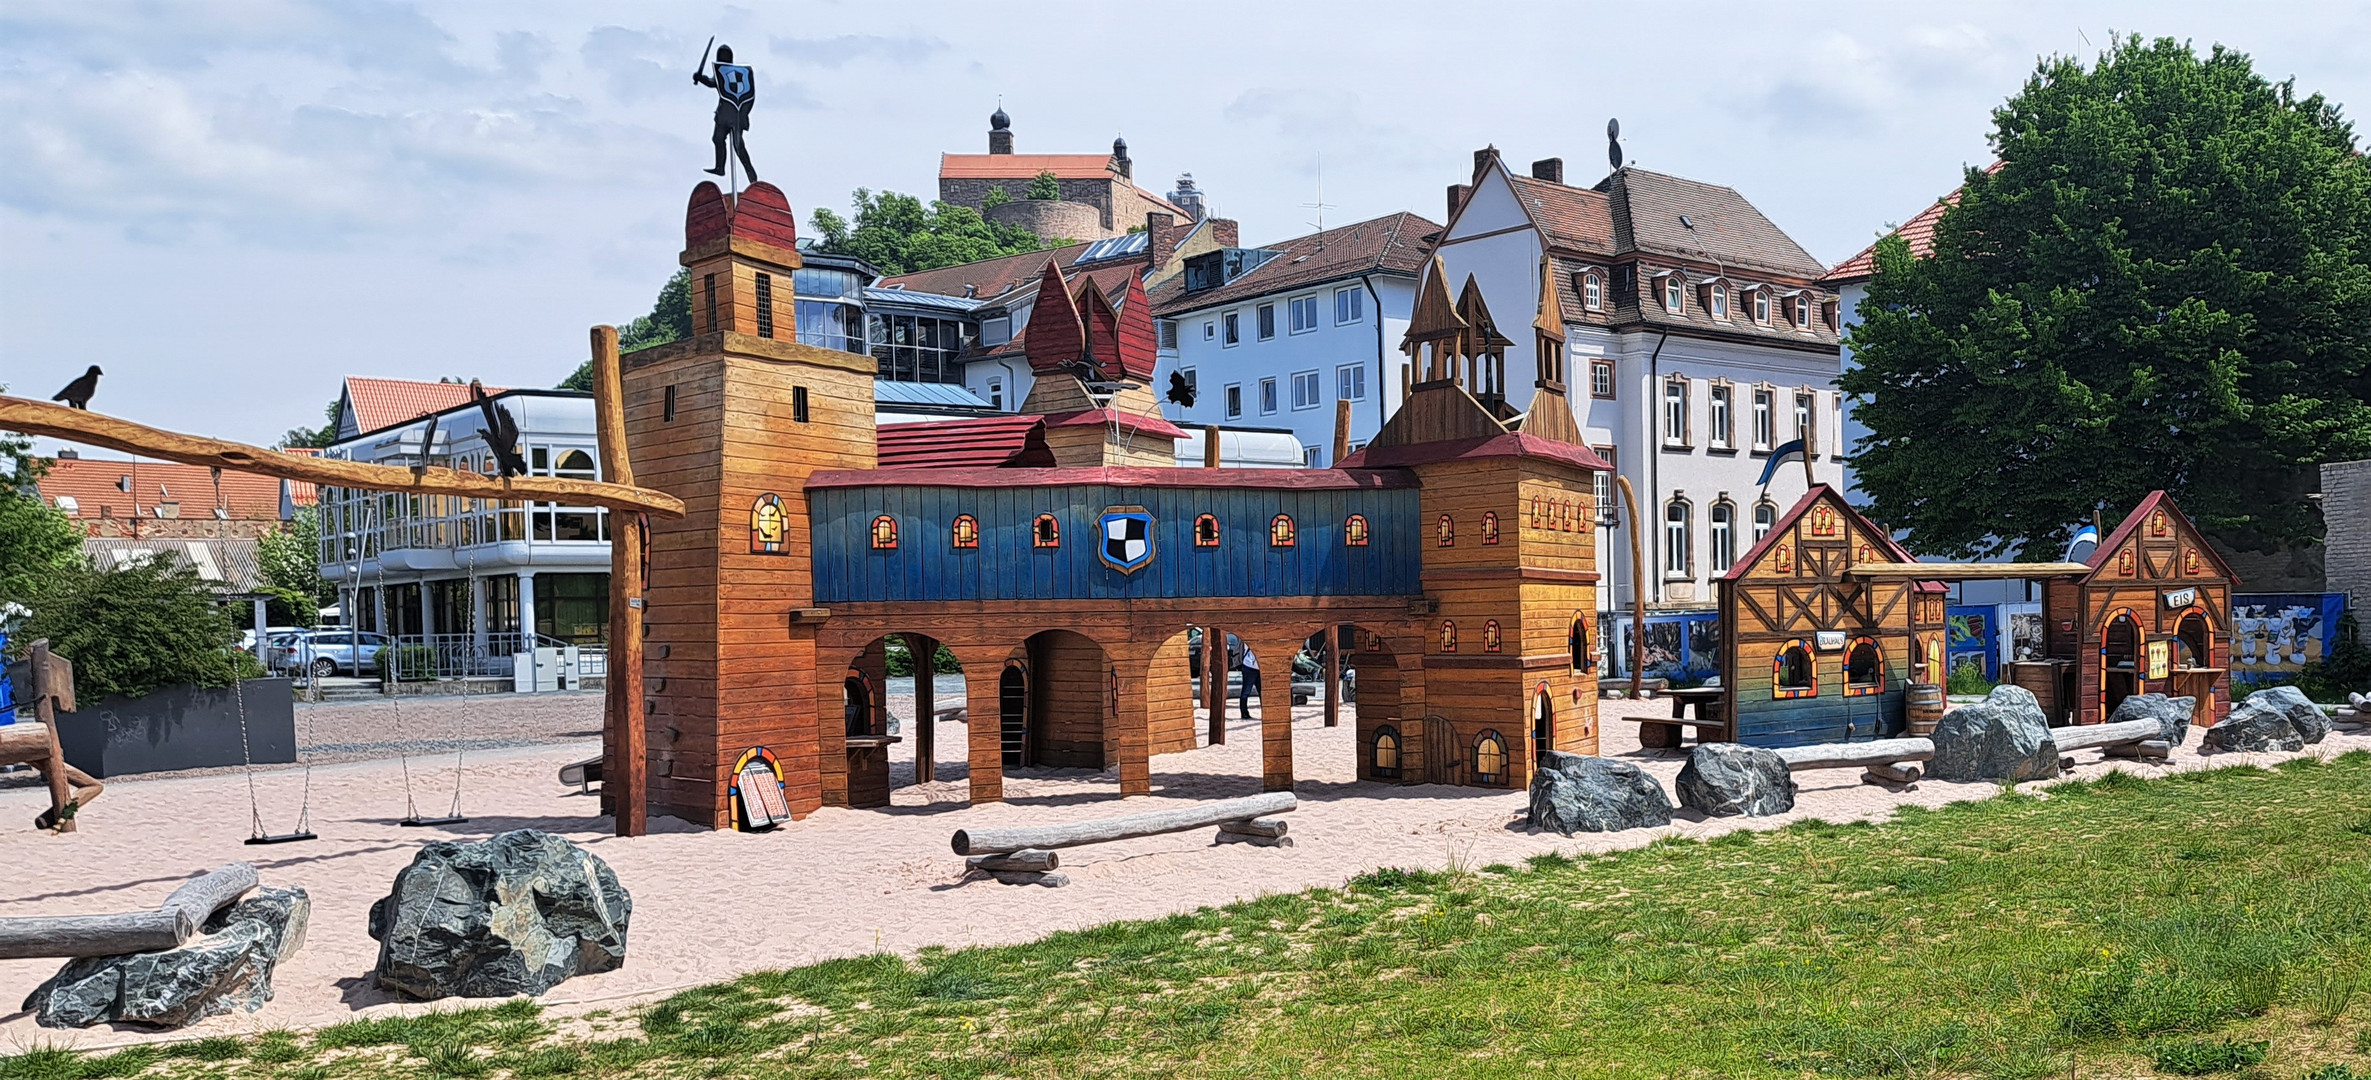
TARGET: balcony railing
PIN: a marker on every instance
(465, 656)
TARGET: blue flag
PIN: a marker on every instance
(2085, 542)
(1792, 451)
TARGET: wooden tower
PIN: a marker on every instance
(1094, 367)
(732, 421)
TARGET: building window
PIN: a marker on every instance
(1267, 319)
(996, 393)
(1280, 531)
(1490, 759)
(1446, 530)
(1723, 433)
(1719, 291)
(1802, 313)
(765, 305)
(884, 533)
(1234, 329)
(708, 282)
(1489, 526)
(967, 531)
(1791, 672)
(1193, 383)
(1267, 396)
(1046, 532)
(1675, 411)
(1827, 312)
(1168, 331)
(1724, 536)
(1601, 378)
(1677, 523)
(1312, 457)
(1864, 668)
(1383, 759)
(1601, 488)
(1765, 518)
(1206, 531)
(1350, 305)
(1304, 314)
(1350, 382)
(1209, 330)
(1762, 306)
(1490, 639)
(1448, 636)
(1578, 640)
(667, 409)
(1354, 531)
(1806, 406)
(1308, 392)
(1765, 423)
(996, 331)
(1673, 293)
(1592, 291)
(1538, 518)
(798, 405)
(1234, 400)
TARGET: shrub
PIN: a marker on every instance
(133, 629)
(2197, 1057)
(1045, 185)
(407, 663)
(1967, 678)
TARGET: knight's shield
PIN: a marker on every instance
(1127, 538)
(735, 80)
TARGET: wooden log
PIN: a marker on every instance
(1101, 830)
(46, 698)
(1856, 755)
(1052, 879)
(78, 425)
(25, 742)
(2144, 750)
(167, 927)
(2086, 736)
(1893, 774)
(1031, 859)
(625, 748)
(1260, 826)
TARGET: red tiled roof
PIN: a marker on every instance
(1010, 441)
(1919, 232)
(1391, 244)
(988, 277)
(91, 483)
(1025, 166)
(1579, 219)
(382, 403)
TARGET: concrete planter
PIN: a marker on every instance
(181, 727)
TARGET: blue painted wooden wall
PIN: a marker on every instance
(926, 566)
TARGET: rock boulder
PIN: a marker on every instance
(2311, 723)
(229, 965)
(2253, 726)
(2003, 738)
(1576, 793)
(1721, 779)
(514, 914)
(2171, 713)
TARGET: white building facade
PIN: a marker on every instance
(1698, 340)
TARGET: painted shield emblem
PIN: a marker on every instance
(735, 80)
(1127, 538)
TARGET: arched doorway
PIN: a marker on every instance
(1012, 713)
(856, 705)
(1067, 696)
(2195, 641)
(2119, 662)
(1543, 724)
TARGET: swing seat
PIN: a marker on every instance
(418, 822)
(281, 838)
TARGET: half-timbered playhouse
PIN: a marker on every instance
(1821, 632)
(1453, 553)
(2151, 616)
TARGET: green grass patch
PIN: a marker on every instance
(2179, 924)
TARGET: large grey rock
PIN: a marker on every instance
(2171, 713)
(2311, 724)
(515, 914)
(2003, 738)
(229, 965)
(1721, 779)
(2254, 726)
(1576, 793)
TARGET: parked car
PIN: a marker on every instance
(324, 653)
(270, 633)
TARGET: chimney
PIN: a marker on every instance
(1223, 231)
(1548, 169)
(1457, 193)
(1482, 159)
(1160, 237)
(1119, 159)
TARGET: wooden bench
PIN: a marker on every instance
(1711, 721)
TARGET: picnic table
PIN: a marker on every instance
(1711, 719)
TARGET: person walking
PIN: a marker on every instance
(1251, 684)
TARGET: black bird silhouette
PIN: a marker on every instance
(501, 432)
(428, 440)
(1181, 391)
(78, 393)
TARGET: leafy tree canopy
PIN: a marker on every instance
(2164, 283)
(896, 234)
(315, 438)
(1045, 185)
(37, 541)
(290, 558)
(670, 319)
(150, 624)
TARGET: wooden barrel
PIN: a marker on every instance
(1925, 707)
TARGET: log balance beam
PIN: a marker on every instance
(77, 425)
(168, 927)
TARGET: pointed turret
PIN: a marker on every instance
(1140, 345)
(1434, 322)
(1551, 412)
(1056, 336)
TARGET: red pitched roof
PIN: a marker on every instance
(1151, 423)
(1058, 332)
(92, 484)
(1025, 166)
(1575, 219)
(383, 403)
(1918, 231)
(1010, 441)
(2100, 552)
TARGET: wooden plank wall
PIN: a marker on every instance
(2160, 561)
(1069, 698)
(1169, 697)
(1768, 607)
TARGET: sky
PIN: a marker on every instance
(230, 205)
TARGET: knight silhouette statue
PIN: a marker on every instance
(736, 94)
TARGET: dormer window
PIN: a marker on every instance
(1802, 313)
(1718, 292)
(1672, 293)
(1762, 306)
(1592, 291)
(1827, 313)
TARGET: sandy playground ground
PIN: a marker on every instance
(712, 905)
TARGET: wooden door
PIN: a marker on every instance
(1443, 761)
(1012, 708)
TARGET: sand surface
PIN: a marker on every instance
(711, 905)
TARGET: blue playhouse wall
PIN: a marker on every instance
(926, 566)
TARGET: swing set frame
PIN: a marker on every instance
(622, 730)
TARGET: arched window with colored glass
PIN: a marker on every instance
(967, 531)
(1280, 531)
(1354, 531)
(1490, 759)
(1046, 532)
(1448, 636)
(1864, 668)
(1792, 672)
(1490, 641)
(884, 533)
(1383, 755)
(1206, 531)
(1446, 530)
(1489, 526)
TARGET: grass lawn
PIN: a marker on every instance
(2213, 921)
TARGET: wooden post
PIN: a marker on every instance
(1331, 661)
(45, 711)
(1638, 588)
(925, 653)
(1809, 481)
(1341, 431)
(626, 773)
(1276, 721)
(1210, 446)
(1214, 681)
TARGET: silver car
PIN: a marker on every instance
(324, 653)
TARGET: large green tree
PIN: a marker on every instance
(290, 559)
(897, 234)
(2164, 283)
(670, 319)
(315, 438)
(37, 541)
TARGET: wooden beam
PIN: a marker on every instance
(1857, 754)
(1967, 571)
(1101, 830)
(77, 425)
(626, 778)
(168, 927)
